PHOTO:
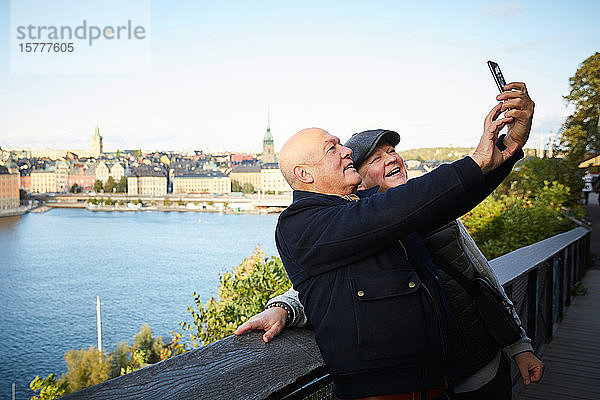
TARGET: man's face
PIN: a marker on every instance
(384, 168)
(333, 171)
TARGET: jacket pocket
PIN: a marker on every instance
(390, 314)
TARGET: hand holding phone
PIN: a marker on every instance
(516, 104)
(497, 74)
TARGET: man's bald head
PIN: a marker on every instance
(301, 149)
(313, 160)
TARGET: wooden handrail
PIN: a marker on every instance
(244, 367)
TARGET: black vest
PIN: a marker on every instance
(473, 346)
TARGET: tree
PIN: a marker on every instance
(146, 350)
(122, 185)
(235, 186)
(110, 184)
(98, 186)
(87, 367)
(118, 153)
(75, 189)
(147, 345)
(241, 295)
(90, 367)
(583, 125)
(49, 388)
(248, 188)
(502, 225)
(534, 174)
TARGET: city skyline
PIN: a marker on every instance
(216, 70)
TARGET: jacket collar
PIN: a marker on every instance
(301, 194)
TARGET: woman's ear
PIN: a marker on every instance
(302, 175)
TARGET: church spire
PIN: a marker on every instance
(268, 140)
(268, 155)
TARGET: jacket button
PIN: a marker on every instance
(360, 293)
(411, 285)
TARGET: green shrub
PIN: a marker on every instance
(502, 225)
(241, 295)
(517, 226)
(534, 174)
(49, 388)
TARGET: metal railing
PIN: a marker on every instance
(538, 278)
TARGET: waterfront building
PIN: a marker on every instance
(25, 183)
(242, 158)
(43, 181)
(82, 176)
(96, 149)
(61, 171)
(9, 188)
(147, 182)
(102, 172)
(117, 171)
(201, 182)
(244, 174)
(272, 180)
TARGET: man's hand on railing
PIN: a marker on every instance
(272, 320)
(531, 367)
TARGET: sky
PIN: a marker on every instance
(209, 73)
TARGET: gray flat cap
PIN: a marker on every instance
(363, 143)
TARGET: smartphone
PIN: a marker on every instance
(497, 74)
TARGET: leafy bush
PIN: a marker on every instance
(86, 368)
(241, 295)
(517, 226)
(49, 388)
(530, 205)
(535, 174)
(502, 225)
(90, 367)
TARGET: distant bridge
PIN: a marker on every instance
(242, 201)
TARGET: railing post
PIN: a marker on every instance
(560, 274)
(532, 305)
(569, 274)
(549, 297)
(577, 271)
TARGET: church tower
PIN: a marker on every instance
(268, 155)
(96, 150)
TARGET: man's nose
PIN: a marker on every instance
(389, 158)
(346, 152)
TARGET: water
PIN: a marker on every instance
(144, 266)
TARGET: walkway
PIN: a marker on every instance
(573, 357)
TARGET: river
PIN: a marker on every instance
(143, 265)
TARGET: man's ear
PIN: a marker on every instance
(303, 175)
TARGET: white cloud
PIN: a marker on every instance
(530, 44)
(505, 10)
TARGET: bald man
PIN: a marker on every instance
(362, 271)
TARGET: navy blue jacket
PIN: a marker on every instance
(367, 283)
